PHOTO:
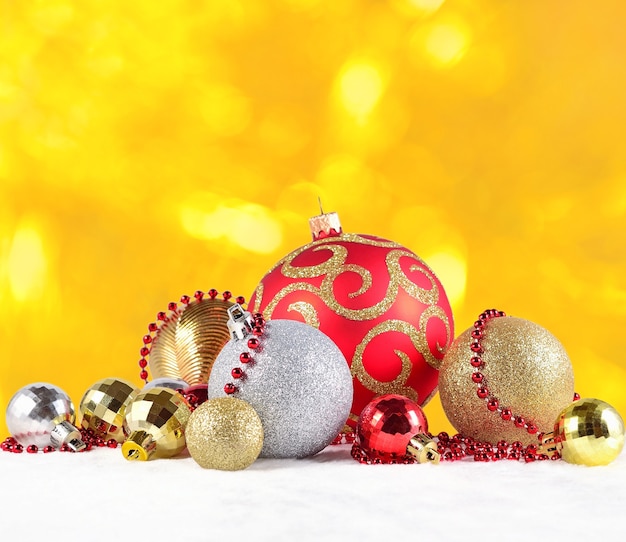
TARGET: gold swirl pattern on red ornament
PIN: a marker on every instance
(398, 384)
(339, 256)
(366, 278)
(335, 266)
(435, 311)
(307, 311)
(294, 287)
(397, 280)
(258, 296)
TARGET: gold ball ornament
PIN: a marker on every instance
(506, 378)
(103, 407)
(224, 433)
(155, 424)
(588, 432)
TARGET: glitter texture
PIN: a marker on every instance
(378, 301)
(224, 433)
(307, 311)
(35, 410)
(299, 384)
(526, 368)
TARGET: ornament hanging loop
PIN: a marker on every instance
(325, 225)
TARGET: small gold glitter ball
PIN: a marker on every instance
(525, 367)
(225, 434)
(589, 432)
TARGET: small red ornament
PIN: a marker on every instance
(379, 302)
(196, 394)
(392, 428)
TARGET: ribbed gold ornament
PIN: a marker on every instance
(155, 424)
(587, 432)
(103, 407)
(224, 433)
(187, 344)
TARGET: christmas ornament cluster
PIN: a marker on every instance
(344, 340)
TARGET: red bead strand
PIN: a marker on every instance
(479, 377)
(253, 343)
(458, 447)
(88, 436)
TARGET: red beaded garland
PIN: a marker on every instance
(458, 447)
(254, 343)
(88, 436)
(479, 378)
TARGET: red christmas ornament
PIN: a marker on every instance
(196, 394)
(392, 429)
(379, 302)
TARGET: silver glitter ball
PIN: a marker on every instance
(166, 382)
(35, 410)
(298, 382)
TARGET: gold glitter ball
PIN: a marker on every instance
(525, 367)
(589, 432)
(225, 434)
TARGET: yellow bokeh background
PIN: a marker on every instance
(150, 149)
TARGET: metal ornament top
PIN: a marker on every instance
(240, 322)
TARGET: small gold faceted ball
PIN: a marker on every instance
(103, 407)
(225, 434)
(525, 367)
(591, 432)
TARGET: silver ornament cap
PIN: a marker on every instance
(66, 433)
(34, 412)
(166, 382)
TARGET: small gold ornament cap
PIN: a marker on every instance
(423, 449)
(549, 445)
(139, 446)
(324, 224)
